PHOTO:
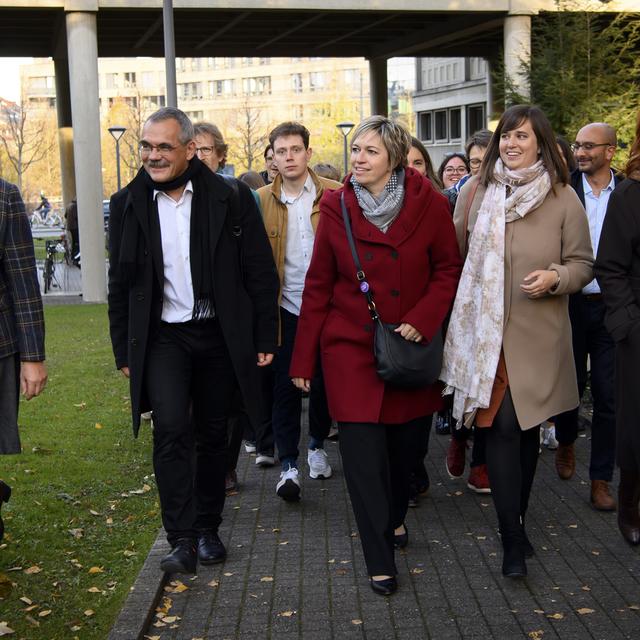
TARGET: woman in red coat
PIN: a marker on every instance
(406, 242)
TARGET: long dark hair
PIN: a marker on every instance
(511, 119)
(567, 153)
(633, 164)
(431, 174)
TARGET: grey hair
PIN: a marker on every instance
(395, 137)
(171, 113)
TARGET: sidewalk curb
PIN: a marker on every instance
(137, 612)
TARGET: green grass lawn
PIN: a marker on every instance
(84, 510)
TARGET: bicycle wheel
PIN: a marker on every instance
(47, 272)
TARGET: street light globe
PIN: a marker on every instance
(117, 132)
(345, 127)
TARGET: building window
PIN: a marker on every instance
(425, 126)
(441, 125)
(352, 78)
(455, 124)
(475, 118)
(296, 82)
(190, 90)
(195, 115)
(256, 86)
(264, 61)
(298, 112)
(196, 64)
(316, 80)
(112, 81)
(130, 79)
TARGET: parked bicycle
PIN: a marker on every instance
(56, 251)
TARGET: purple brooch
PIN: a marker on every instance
(364, 286)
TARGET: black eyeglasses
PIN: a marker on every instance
(163, 149)
(205, 151)
(589, 146)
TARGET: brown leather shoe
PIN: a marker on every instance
(565, 461)
(629, 506)
(601, 498)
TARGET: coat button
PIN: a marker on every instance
(395, 293)
(134, 342)
(394, 254)
(368, 256)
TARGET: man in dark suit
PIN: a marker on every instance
(192, 311)
(594, 182)
(22, 365)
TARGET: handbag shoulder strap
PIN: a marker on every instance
(467, 208)
(360, 275)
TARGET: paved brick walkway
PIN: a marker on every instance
(296, 571)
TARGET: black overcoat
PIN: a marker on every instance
(245, 289)
(617, 269)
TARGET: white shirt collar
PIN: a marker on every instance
(188, 187)
(588, 189)
(288, 199)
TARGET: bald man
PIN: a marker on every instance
(593, 181)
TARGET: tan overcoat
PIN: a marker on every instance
(537, 332)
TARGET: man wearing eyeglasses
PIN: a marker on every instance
(593, 181)
(192, 311)
(270, 166)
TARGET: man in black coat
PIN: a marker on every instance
(593, 181)
(193, 314)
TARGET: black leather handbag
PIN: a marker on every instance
(399, 362)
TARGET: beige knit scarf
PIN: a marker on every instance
(474, 337)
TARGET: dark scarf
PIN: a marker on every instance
(132, 249)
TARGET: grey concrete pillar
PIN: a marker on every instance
(378, 86)
(65, 131)
(83, 76)
(517, 52)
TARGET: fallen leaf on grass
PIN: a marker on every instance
(555, 616)
(30, 607)
(26, 600)
(93, 512)
(286, 614)
(356, 621)
(583, 611)
(5, 629)
(96, 570)
(81, 405)
(44, 613)
(266, 579)
(93, 590)
(89, 613)
(34, 569)
(76, 533)
(98, 425)
(32, 621)
(127, 553)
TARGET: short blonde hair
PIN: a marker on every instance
(395, 138)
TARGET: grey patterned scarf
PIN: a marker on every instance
(384, 210)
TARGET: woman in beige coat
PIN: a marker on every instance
(508, 357)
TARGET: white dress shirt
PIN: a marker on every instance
(596, 208)
(299, 245)
(175, 231)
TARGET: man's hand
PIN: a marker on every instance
(125, 371)
(304, 384)
(33, 378)
(265, 359)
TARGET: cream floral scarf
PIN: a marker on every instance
(474, 338)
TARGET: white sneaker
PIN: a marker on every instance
(318, 461)
(265, 460)
(549, 436)
(249, 447)
(288, 488)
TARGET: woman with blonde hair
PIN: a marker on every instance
(508, 354)
(405, 240)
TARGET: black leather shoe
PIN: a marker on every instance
(384, 587)
(5, 494)
(401, 540)
(183, 557)
(513, 563)
(210, 548)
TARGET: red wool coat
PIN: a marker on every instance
(413, 271)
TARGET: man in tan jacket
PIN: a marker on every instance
(291, 210)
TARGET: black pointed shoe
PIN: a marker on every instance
(513, 559)
(5, 494)
(384, 587)
(401, 540)
(210, 548)
(183, 557)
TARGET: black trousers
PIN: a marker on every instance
(377, 468)
(188, 370)
(591, 339)
(512, 457)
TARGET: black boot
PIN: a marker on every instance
(183, 557)
(5, 494)
(628, 506)
(527, 547)
(513, 546)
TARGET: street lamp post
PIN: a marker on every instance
(117, 133)
(345, 128)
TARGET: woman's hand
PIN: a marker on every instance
(408, 332)
(539, 283)
(304, 384)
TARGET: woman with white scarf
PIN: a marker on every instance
(508, 354)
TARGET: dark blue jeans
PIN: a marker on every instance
(287, 400)
(591, 339)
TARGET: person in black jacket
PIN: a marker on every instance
(192, 311)
(594, 181)
(617, 269)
